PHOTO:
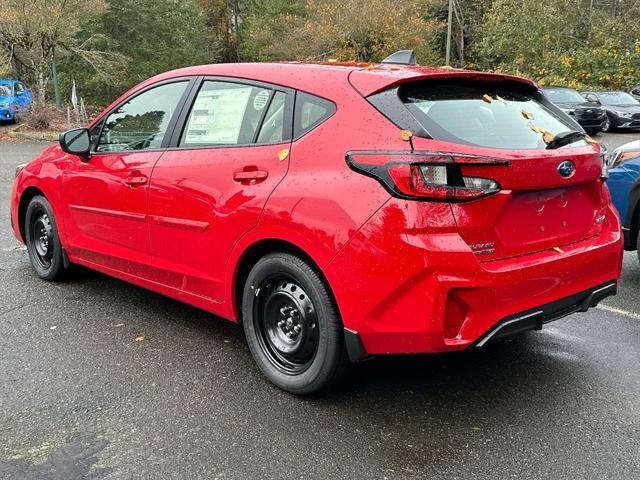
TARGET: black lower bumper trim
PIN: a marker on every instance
(355, 348)
(535, 318)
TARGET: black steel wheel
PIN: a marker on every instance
(286, 324)
(41, 237)
(291, 324)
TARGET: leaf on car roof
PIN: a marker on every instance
(527, 115)
(548, 137)
(590, 140)
(500, 99)
(487, 98)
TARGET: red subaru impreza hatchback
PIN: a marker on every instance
(337, 211)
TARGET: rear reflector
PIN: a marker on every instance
(431, 176)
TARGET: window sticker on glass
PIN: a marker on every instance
(217, 114)
(260, 101)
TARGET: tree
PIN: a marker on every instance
(362, 30)
(154, 36)
(597, 47)
(33, 33)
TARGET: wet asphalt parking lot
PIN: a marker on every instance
(81, 399)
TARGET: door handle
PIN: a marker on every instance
(136, 179)
(250, 175)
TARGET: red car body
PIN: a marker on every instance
(407, 276)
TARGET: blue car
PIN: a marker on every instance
(624, 185)
(15, 98)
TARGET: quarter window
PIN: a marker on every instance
(141, 123)
(311, 111)
(226, 113)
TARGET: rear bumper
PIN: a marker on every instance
(408, 283)
(535, 318)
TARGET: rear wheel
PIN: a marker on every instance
(291, 325)
(41, 237)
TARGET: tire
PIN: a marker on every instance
(292, 326)
(608, 125)
(43, 241)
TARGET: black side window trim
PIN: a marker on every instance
(181, 122)
(172, 123)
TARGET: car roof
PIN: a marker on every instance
(365, 77)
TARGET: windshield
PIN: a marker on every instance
(492, 115)
(4, 91)
(617, 98)
(563, 95)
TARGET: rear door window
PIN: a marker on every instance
(232, 113)
(484, 114)
(272, 130)
(310, 112)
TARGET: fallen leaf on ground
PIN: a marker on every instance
(119, 325)
(53, 328)
(140, 338)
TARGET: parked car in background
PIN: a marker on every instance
(15, 98)
(624, 185)
(336, 211)
(590, 115)
(623, 111)
(635, 92)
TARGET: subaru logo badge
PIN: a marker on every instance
(566, 168)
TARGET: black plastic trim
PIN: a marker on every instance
(535, 318)
(355, 348)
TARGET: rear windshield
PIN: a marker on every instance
(493, 115)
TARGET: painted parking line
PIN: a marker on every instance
(619, 311)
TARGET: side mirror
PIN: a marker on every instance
(76, 142)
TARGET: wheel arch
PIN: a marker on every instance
(255, 252)
(25, 198)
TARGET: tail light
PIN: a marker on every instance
(431, 176)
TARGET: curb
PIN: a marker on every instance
(38, 136)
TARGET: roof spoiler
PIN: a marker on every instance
(401, 57)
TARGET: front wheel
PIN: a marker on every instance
(43, 242)
(607, 126)
(292, 326)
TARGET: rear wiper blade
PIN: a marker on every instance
(565, 138)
